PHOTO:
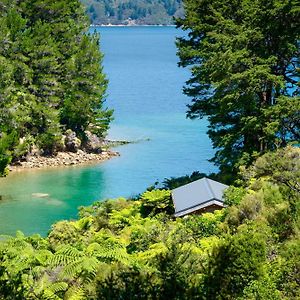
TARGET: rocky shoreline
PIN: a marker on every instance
(62, 159)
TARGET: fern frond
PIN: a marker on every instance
(68, 251)
(43, 256)
(109, 251)
(41, 284)
(89, 264)
(84, 223)
(85, 265)
(46, 289)
(20, 235)
(75, 293)
(58, 287)
(49, 295)
(37, 271)
(64, 256)
(154, 251)
(93, 247)
(71, 270)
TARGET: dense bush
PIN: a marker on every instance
(135, 249)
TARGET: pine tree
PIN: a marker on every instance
(85, 85)
(51, 76)
(244, 61)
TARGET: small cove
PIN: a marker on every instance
(145, 90)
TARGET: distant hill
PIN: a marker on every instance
(133, 12)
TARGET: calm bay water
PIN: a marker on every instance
(145, 91)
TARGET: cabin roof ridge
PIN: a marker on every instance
(202, 194)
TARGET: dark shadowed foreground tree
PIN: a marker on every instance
(244, 62)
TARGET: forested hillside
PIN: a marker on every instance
(51, 77)
(149, 12)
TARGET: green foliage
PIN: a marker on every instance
(63, 233)
(233, 195)
(281, 167)
(136, 249)
(205, 225)
(289, 279)
(7, 141)
(234, 264)
(156, 201)
(126, 283)
(244, 62)
(51, 76)
(275, 179)
(263, 289)
(175, 182)
(86, 88)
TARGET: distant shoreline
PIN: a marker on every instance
(130, 25)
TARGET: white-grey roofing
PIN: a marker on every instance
(197, 195)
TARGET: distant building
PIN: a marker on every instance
(203, 195)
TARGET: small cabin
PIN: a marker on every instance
(203, 195)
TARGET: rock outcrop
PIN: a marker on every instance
(71, 152)
(93, 143)
(72, 142)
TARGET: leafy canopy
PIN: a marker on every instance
(244, 61)
(51, 76)
(136, 249)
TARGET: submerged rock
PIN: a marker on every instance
(40, 195)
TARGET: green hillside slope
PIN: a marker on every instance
(131, 12)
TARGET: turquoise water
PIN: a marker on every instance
(146, 92)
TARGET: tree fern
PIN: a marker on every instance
(86, 266)
(109, 250)
(11, 242)
(49, 295)
(56, 287)
(37, 271)
(65, 255)
(45, 289)
(75, 293)
(154, 251)
(43, 256)
(89, 265)
(84, 223)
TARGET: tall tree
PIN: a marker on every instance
(244, 62)
(51, 75)
(85, 85)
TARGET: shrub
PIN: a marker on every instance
(155, 202)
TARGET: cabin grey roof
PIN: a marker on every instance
(197, 195)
